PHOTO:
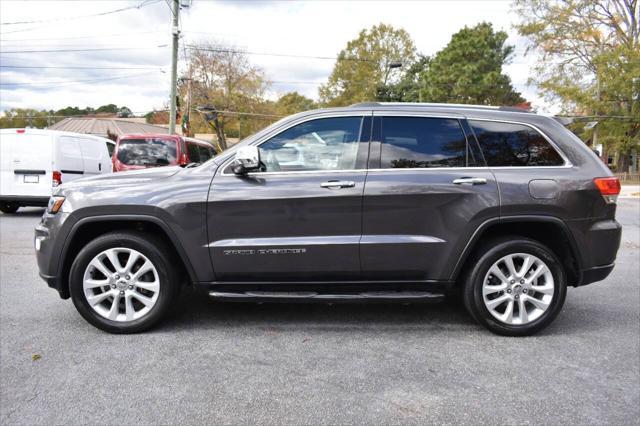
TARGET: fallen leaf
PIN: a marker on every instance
(35, 357)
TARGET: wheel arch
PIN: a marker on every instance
(88, 228)
(544, 229)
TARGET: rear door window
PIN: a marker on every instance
(147, 152)
(421, 142)
(205, 153)
(194, 152)
(514, 145)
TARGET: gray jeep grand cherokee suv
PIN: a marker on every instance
(373, 202)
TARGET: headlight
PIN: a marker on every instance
(55, 203)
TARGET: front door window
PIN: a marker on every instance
(323, 144)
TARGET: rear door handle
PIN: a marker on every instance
(337, 184)
(470, 181)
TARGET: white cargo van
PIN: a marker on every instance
(33, 161)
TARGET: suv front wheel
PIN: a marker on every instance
(123, 282)
(516, 286)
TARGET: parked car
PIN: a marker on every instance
(374, 202)
(34, 161)
(133, 152)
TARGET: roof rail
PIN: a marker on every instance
(438, 105)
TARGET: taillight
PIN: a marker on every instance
(609, 188)
(183, 159)
(57, 178)
(20, 131)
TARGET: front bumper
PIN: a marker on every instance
(49, 238)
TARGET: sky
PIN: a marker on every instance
(119, 51)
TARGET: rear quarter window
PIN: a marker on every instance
(514, 145)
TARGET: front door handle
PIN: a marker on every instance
(337, 184)
(470, 181)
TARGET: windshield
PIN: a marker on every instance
(147, 152)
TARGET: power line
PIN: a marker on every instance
(92, 115)
(284, 55)
(84, 37)
(78, 68)
(99, 49)
(69, 83)
(70, 18)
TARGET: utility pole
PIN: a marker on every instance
(174, 66)
(188, 107)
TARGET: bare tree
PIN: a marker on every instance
(223, 80)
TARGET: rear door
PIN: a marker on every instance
(26, 164)
(68, 158)
(93, 153)
(427, 191)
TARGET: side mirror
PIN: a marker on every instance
(247, 159)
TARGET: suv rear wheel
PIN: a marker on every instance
(516, 286)
(123, 282)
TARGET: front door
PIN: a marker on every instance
(426, 192)
(299, 219)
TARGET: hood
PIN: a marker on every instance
(133, 177)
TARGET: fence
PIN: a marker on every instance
(628, 178)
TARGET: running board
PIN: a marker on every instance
(282, 296)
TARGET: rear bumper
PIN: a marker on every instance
(598, 273)
(25, 200)
(597, 243)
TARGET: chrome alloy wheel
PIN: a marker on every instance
(121, 284)
(518, 289)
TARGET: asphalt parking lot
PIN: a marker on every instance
(317, 364)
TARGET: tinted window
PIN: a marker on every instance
(205, 153)
(324, 144)
(506, 144)
(147, 152)
(416, 142)
(194, 154)
(110, 147)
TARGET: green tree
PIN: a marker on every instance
(589, 61)
(364, 65)
(124, 112)
(467, 71)
(109, 108)
(292, 103)
(408, 88)
(24, 117)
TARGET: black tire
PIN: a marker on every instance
(151, 247)
(480, 264)
(8, 207)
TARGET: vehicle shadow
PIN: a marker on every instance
(195, 311)
(26, 212)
